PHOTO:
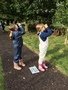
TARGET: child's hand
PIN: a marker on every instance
(10, 35)
(38, 33)
(46, 26)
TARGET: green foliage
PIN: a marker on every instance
(31, 40)
(36, 10)
(30, 10)
(61, 15)
(41, 10)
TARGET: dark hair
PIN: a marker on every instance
(15, 21)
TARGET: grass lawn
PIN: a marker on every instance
(57, 53)
(1, 76)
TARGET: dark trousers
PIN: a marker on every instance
(17, 53)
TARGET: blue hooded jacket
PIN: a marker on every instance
(17, 37)
(47, 32)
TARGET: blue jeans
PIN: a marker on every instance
(17, 53)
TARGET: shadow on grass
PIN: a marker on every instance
(59, 52)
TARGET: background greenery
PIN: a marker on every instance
(51, 11)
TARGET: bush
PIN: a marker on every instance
(31, 28)
(59, 30)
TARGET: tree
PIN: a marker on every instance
(30, 10)
(40, 10)
(61, 16)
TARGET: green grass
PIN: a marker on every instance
(31, 40)
(1, 76)
(57, 52)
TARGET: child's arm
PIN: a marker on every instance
(10, 35)
(45, 33)
(22, 31)
(46, 26)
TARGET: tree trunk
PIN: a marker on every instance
(66, 38)
(26, 26)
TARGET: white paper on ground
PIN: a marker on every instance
(33, 69)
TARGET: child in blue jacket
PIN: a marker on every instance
(43, 32)
(16, 33)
